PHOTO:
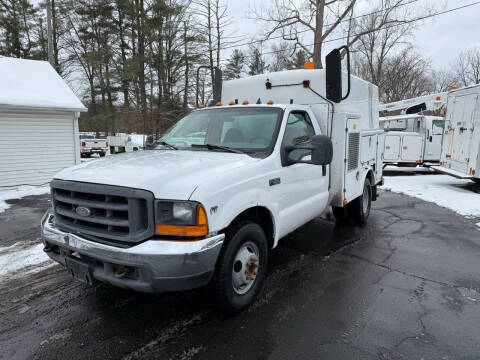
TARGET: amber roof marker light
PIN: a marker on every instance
(309, 65)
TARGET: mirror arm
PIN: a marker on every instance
(344, 47)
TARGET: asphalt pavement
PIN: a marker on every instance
(406, 286)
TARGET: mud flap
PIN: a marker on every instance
(79, 270)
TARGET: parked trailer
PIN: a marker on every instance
(412, 140)
(461, 138)
(229, 182)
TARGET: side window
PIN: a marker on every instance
(437, 127)
(299, 131)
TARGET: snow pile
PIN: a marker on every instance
(19, 193)
(443, 190)
(26, 257)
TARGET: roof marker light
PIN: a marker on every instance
(231, 103)
(438, 98)
(309, 65)
(270, 102)
(245, 102)
(201, 106)
(219, 103)
(454, 87)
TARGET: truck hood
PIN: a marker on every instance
(169, 174)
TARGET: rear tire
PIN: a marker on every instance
(102, 154)
(477, 181)
(359, 209)
(241, 268)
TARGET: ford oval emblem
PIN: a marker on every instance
(83, 211)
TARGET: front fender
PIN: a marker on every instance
(222, 209)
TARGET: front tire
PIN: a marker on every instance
(359, 209)
(242, 268)
(476, 180)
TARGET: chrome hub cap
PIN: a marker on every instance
(245, 268)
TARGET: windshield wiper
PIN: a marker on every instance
(218, 147)
(164, 143)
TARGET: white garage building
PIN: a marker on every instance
(38, 123)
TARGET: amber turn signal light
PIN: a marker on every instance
(200, 229)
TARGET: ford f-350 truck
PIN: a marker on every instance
(220, 188)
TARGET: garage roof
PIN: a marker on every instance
(32, 83)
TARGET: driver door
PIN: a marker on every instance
(303, 191)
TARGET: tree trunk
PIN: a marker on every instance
(141, 54)
(187, 68)
(317, 47)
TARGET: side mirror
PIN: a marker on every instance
(333, 74)
(322, 152)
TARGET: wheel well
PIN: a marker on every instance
(371, 177)
(259, 215)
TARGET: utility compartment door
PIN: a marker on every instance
(462, 131)
(392, 148)
(352, 161)
(412, 148)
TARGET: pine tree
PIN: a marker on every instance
(235, 65)
(256, 64)
(298, 61)
(19, 30)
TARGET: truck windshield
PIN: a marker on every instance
(247, 129)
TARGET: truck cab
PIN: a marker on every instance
(217, 192)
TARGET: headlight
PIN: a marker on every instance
(180, 218)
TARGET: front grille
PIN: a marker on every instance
(117, 215)
(353, 150)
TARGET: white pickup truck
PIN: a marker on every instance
(90, 145)
(222, 187)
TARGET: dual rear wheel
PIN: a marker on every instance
(358, 210)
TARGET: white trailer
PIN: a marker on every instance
(461, 138)
(411, 140)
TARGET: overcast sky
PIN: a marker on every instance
(440, 38)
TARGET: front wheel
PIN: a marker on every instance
(476, 180)
(242, 268)
(359, 209)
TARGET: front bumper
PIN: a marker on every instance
(153, 266)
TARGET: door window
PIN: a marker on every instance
(298, 132)
(437, 127)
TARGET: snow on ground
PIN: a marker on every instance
(27, 257)
(443, 190)
(19, 193)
